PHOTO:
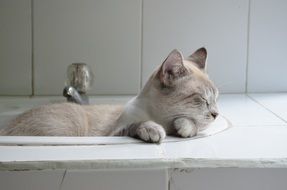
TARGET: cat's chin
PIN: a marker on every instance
(203, 126)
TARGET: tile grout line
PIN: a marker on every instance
(141, 45)
(32, 50)
(247, 47)
(254, 100)
(62, 180)
(261, 125)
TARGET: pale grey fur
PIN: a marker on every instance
(178, 99)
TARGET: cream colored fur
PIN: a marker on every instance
(65, 119)
(178, 99)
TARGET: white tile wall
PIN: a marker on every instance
(228, 178)
(15, 47)
(268, 46)
(103, 33)
(125, 40)
(116, 179)
(28, 180)
(220, 26)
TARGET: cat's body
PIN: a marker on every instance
(178, 99)
(66, 119)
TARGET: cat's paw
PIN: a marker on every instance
(185, 127)
(150, 131)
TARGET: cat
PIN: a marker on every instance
(178, 99)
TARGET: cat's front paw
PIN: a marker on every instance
(150, 131)
(185, 127)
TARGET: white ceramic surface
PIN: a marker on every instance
(219, 125)
(267, 46)
(31, 180)
(116, 179)
(276, 103)
(80, 153)
(257, 139)
(228, 178)
(254, 142)
(124, 41)
(104, 34)
(15, 47)
(243, 111)
(220, 26)
(235, 143)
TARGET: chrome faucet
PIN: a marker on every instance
(79, 79)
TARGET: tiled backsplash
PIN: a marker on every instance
(123, 41)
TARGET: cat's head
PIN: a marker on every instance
(181, 88)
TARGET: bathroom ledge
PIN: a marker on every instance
(257, 139)
(183, 163)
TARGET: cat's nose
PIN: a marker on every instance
(214, 114)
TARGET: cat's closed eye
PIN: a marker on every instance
(196, 100)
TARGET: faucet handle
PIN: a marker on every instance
(74, 96)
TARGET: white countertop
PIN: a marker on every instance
(257, 139)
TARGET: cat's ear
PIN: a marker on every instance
(199, 57)
(172, 68)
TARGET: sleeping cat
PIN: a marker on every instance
(178, 99)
